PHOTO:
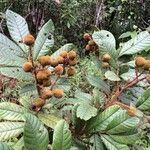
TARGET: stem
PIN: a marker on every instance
(34, 70)
(55, 82)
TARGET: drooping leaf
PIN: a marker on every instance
(44, 40)
(110, 75)
(49, 119)
(85, 111)
(136, 45)
(112, 145)
(35, 134)
(97, 82)
(17, 26)
(101, 121)
(126, 139)
(11, 111)
(4, 146)
(66, 47)
(10, 129)
(61, 137)
(144, 101)
(97, 143)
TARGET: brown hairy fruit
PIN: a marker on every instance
(132, 111)
(72, 55)
(73, 62)
(105, 65)
(58, 93)
(27, 67)
(43, 74)
(148, 78)
(140, 61)
(45, 60)
(38, 103)
(147, 65)
(71, 71)
(54, 62)
(46, 93)
(60, 60)
(91, 43)
(86, 37)
(46, 82)
(106, 57)
(64, 54)
(59, 70)
(88, 48)
(28, 40)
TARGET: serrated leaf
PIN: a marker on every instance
(4, 146)
(44, 40)
(112, 145)
(62, 136)
(110, 75)
(66, 47)
(10, 129)
(126, 139)
(136, 45)
(86, 111)
(144, 101)
(17, 26)
(11, 111)
(97, 143)
(35, 134)
(101, 121)
(97, 82)
(16, 72)
(49, 119)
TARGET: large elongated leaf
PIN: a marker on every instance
(44, 40)
(101, 121)
(17, 26)
(16, 72)
(62, 137)
(100, 84)
(49, 119)
(10, 111)
(4, 146)
(85, 111)
(144, 101)
(66, 47)
(10, 129)
(136, 45)
(112, 145)
(35, 134)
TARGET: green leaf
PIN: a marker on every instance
(26, 101)
(11, 111)
(35, 134)
(66, 47)
(16, 72)
(62, 136)
(10, 129)
(97, 143)
(4, 146)
(17, 26)
(10, 53)
(101, 121)
(126, 139)
(49, 119)
(97, 82)
(44, 40)
(19, 145)
(86, 111)
(110, 75)
(112, 145)
(136, 45)
(125, 35)
(144, 101)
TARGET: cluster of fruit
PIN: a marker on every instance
(144, 64)
(105, 60)
(62, 65)
(91, 46)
